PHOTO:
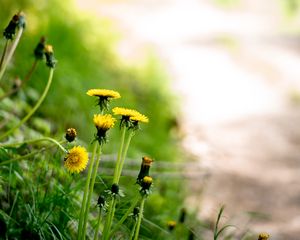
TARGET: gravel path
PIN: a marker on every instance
(237, 72)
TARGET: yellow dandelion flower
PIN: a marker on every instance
(104, 96)
(76, 159)
(130, 117)
(139, 118)
(124, 112)
(103, 93)
(263, 236)
(171, 225)
(48, 49)
(103, 123)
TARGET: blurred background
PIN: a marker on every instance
(219, 80)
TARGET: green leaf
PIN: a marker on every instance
(3, 154)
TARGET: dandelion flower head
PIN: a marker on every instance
(139, 118)
(103, 123)
(263, 236)
(76, 159)
(130, 117)
(171, 225)
(105, 93)
(104, 96)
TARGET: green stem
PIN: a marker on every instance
(11, 52)
(124, 155)
(86, 189)
(110, 216)
(4, 53)
(133, 230)
(26, 79)
(35, 141)
(98, 224)
(137, 230)
(129, 210)
(90, 193)
(119, 158)
(34, 108)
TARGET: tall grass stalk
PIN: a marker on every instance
(90, 193)
(118, 170)
(120, 167)
(33, 110)
(109, 218)
(129, 211)
(4, 53)
(119, 158)
(85, 194)
(10, 52)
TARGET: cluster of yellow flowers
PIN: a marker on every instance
(77, 158)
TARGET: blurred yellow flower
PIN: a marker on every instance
(263, 236)
(76, 159)
(171, 225)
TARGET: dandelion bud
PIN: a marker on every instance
(171, 225)
(101, 201)
(50, 60)
(17, 83)
(71, 134)
(182, 215)
(17, 21)
(39, 49)
(146, 183)
(263, 236)
(115, 188)
(136, 211)
(145, 167)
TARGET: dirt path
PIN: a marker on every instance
(238, 74)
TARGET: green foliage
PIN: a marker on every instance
(83, 46)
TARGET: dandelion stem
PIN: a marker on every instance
(11, 52)
(4, 53)
(85, 194)
(90, 193)
(124, 155)
(35, 141)
(129, 210)
(98, 224)
(139, 221)
(119, 158)
(110, 216)
(133, 230)
(34, 108)
(26, 79)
